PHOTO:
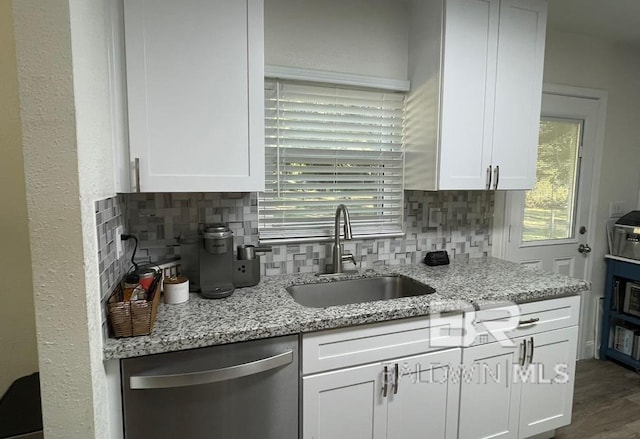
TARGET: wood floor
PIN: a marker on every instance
(606, 402)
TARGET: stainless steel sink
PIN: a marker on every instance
(345, 292)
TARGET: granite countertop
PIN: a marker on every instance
(267, 310)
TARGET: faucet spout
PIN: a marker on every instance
(338, 256)
(347, 223)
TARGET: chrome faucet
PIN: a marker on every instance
(338, 256)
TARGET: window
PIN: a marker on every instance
(549, 211)
(327, 145)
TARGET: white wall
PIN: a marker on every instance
(583, 61)
(366, 37)
(63, 85)
(18, 352)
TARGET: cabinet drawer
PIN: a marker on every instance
(344, 347)
(544, 315)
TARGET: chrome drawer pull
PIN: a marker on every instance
(137, 169)
(396, 384)
(528, 322)
(523, 352)
(531, 352)
(385, 380)
(489, 177)
(210, 376)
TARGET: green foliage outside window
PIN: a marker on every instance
(549, 206)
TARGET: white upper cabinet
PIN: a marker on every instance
(195, 81)
(473, 113)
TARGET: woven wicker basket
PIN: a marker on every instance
(134, 317)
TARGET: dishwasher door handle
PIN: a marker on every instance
(210, 376)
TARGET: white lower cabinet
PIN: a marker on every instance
(408, 380)
(488, 400)
(344, 404)
(405, 398)
(546, 402)
(518, 391)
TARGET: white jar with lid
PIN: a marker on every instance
(176, 290)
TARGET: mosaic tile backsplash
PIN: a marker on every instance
(456, 221)
(109, 216)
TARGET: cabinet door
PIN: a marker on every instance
(345, 404)
(424, 405)
(547, 397)
(468, 87)
(195, 93)
(489, 401)
(518, 92)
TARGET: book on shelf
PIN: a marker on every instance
(635, 353)
(623, 340)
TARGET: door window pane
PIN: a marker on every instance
(550, 207)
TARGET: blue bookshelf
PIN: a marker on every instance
(618, 271)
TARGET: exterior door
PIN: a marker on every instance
(548, 225)
(551, 227)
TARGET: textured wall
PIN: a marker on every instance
(96, 176)
(62, 68)
(17, 320)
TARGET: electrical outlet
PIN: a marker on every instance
(118, 239)
(616, 209)
(435, 217)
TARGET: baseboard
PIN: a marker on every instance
(546, 435)
(589, 350)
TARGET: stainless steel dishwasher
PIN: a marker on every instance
(240, 390)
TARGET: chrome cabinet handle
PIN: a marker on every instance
(385, 381)
(137, 170)
(496, 172)
(584, 248)
(210, 376)
(531, 352)
(523, 352)
(489, 177)
(528, 322)
(396, 384)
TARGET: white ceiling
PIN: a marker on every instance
(616, 20)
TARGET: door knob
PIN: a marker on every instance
(584, 248)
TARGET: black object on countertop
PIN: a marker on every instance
(440, 257)
(20, 407)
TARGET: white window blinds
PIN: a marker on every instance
(328, 145)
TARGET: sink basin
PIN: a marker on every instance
(345, 292)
